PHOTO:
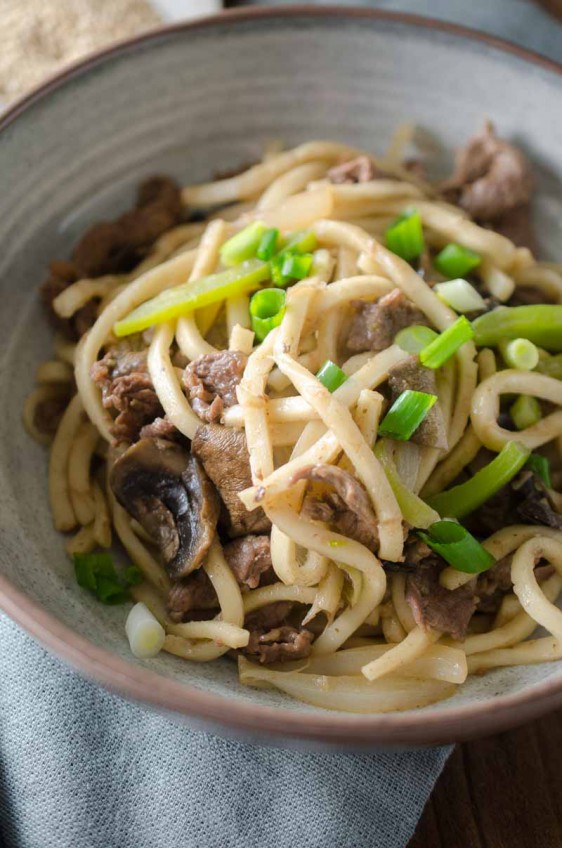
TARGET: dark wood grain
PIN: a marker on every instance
(501, 792)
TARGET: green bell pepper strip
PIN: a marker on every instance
(541, 324)
(182, 299)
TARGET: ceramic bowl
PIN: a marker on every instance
(188, 100)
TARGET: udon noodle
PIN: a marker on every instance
(317, 579)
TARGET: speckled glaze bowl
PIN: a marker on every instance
(188, 100)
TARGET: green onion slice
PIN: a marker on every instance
(268, 244)
(267, 308)
(465, 498)
(519, 353)
(458, 547)
(541, 324)
(405, 236)
(413, 339)
(406, 414)
(447, 343)
(415, 511)
(297, 266)
(551, 366)
(525, 412)
(179, 300)
(243, 245)
(331, 376)
(456, 261)
(460, 296)
(304, 241)
(541, 466)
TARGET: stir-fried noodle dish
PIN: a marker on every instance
(318, 404)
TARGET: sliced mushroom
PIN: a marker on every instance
(166, 489)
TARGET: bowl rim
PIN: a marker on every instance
(140, 684)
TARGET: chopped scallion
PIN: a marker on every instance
(551, 366)
(296, 266)
(304, 241)
(447, 343)
(541, 466)
(465, 498)
(331, 376)
(458, 547)
(519, 353)
(243, 245)
(405, 236)
(456, 261)
(268, 244)
(525, 412)
(406, 414)
(460, 296)
(413, 339)
(267, 308)
(144, 632)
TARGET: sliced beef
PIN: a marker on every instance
(409, 374)
(115, 247)
(491, 177)
(495, 583)
(433, 606)
(249, 558)
(375, 325)
(61, 275)
(127, 390)
(224, 454)
(517, 226)
(359, 170)
(281, 644)
(534, 505)
(167, 491)
(341, 501)
(528, 296)
(211, 382)
(193, 593)
(273, 638)
(161, 428)
(524, 499)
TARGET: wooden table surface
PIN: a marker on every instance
(501, 792)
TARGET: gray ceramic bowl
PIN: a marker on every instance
(188, 100)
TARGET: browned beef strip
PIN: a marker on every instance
(115, 247)
(194, 592)
(358, 170)
(342, 502)
(272, 636)
(249, 558)
(278, 645)
(48, 414)
(61, 275)
(127, 388)
(517, 225)
(224, 454)
(432, 605)
(495, 583)
(375, 325)
(524, 499)
(161, 428)
(211, 382)
(491, 177)
(528, 296)
(409, 374)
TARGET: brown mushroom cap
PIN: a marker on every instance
(167, 491)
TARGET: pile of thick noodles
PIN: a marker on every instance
(371, 644)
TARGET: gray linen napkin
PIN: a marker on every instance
(81, 768)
